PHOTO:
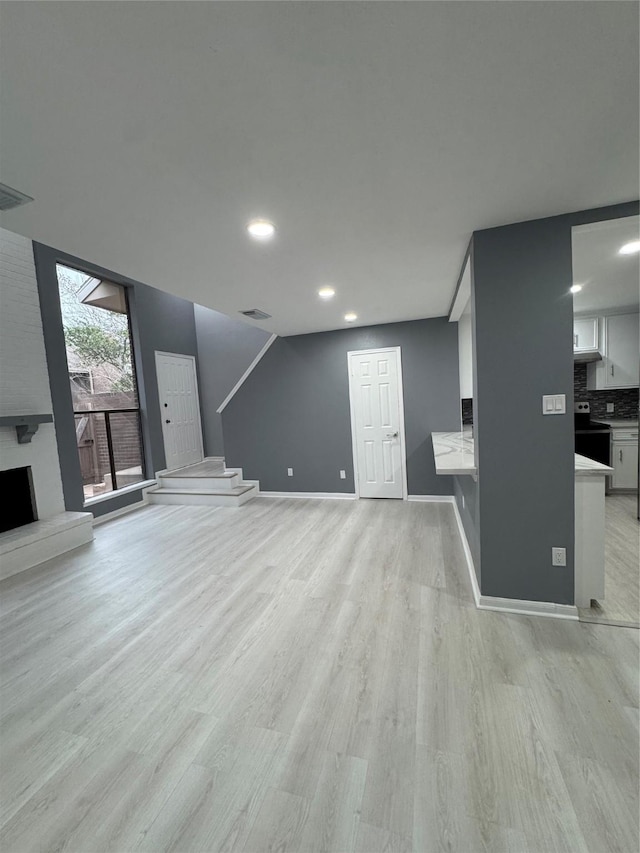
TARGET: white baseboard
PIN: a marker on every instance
(529, 608)
(509, 605)
(432, 498)
(467, 554)
(340, 496)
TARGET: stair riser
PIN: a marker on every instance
(200, 500)
(199, 483)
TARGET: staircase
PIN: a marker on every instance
(206, 483)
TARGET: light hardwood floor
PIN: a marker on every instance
(621, 604)
(304, 676)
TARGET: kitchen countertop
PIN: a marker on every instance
(454, 453)
(588, 467)
(619, 423)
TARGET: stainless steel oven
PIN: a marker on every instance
(592, 439)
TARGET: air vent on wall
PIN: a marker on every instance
(255, 314)
(12, 198)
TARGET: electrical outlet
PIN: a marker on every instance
(558, 556)
(610, 408)
(343, 475)
(289, 472)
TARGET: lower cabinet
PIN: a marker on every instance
(624, 460)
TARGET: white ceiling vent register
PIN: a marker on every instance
(12, 198)
(255, 314)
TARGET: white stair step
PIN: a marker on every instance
(224, 481)
(202, 497)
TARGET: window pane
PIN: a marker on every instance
(91, 438)
(96, 330)
(127, 447)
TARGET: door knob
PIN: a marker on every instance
(392, 435)
(167, 421)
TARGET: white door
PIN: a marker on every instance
(180, 409)
(377, 422)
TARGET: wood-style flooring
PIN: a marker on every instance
(621, 604)
(304, 676)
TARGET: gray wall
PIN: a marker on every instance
(164, 323)
(159, 322)
(523, 322)
(226, 348)
(293, 410)
(523, 341)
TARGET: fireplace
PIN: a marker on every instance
(16, 488)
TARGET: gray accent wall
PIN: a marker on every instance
(159, 321)
(226, 348)
(164, 323)
(523, 323)
(293, 410)
(523, 349)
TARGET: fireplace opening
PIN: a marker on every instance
(16, 488)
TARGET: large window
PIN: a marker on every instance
(103, 382)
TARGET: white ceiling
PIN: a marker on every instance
(609, 280)
(377, 136)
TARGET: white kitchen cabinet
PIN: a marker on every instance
(585, 333)
(620, 347)
(624, 458)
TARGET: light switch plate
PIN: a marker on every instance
(554, 404)
(610, 408)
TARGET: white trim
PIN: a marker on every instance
(133, 487)
(463, 295)
(432, 498)
(124, 510)
(340, 496)
(467, 553)
(245, 375)
(238, 471)
(401, 427)
(529, 608)
(195, 384)
(509, 605)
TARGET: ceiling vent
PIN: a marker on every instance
(255, 314)
(10, 198)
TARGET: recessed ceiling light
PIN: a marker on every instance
(350, 316)
(326, 292)
(575, 288)
(630, 248)
(261, 229)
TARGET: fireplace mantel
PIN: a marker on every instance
(26, 425)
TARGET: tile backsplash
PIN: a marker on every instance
(625, 400)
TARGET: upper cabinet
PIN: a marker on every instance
(620, 347)
(585, 333)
